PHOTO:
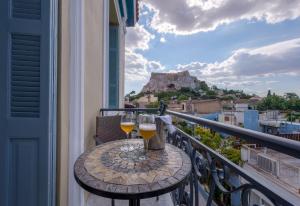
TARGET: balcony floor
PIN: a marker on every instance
(164, 200)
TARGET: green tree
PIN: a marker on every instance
(203, 86)
(289, 102)
(269, 93)
(232, 154)
(182, 97)
(291, 95)
(272, 102)
(213, 140)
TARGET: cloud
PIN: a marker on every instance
(139, 68)
(244, 66)
(138, 38)
(162, 40)
(192, 16)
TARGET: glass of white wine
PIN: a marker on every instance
(127, 125)
(147, 128)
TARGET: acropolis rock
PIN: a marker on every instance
(170, 81)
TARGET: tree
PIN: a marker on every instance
(291, 95)
(182, 97)
(203, 86)
(232, 154)
(276, 102)
(213, 140)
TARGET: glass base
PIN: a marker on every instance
(127, 148)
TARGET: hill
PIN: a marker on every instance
(163, 82)
(183, 86)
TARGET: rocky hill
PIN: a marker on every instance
(160, 82)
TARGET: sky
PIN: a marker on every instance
(250, 45)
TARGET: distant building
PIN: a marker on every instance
(282, 172)
(202, 106)
(177, 106)
(283, 128)
(241, 107)
(145, 100)
(196, 106)
(272, 115)
(240, 115)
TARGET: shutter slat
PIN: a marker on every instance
(25, 114)
(26, 68)
(22, 56)
(29, 42)
(25, 73)
(19, 47)
(26, 78)
(26, 94)
(25, 104)
(25, 89)
(25, 63)
(25, 52)
(24, 99)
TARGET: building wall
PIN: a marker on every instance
(289, 128)
(94, 98)
(204, 107)
(251, 120)
(239, 116)
(93, 85)
(63, 103)
(93, 67)
(146, 99)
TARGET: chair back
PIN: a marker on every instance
(108, 129)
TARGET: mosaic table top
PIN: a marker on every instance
(122, 170)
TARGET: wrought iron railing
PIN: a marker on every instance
(211, 170)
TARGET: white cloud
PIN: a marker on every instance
(244, 66)
(162, 40)
(138, 38)
(192, 16)
(138, 68)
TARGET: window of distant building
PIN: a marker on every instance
(226, 118)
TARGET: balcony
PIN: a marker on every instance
(215, 180)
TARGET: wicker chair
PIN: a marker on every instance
(108, 129)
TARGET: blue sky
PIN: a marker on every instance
(251, 45)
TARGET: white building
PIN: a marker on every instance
(280, 171)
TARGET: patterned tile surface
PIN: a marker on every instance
(112, 167)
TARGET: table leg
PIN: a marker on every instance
(134, 202)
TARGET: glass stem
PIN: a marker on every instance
(127, 138)
(146, 145)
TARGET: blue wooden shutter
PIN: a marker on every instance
(24, 104)
(113, 67)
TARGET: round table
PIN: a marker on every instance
(109, 171)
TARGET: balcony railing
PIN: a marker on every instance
(212, 173)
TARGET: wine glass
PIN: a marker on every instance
(127, 125)
(147, 128)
